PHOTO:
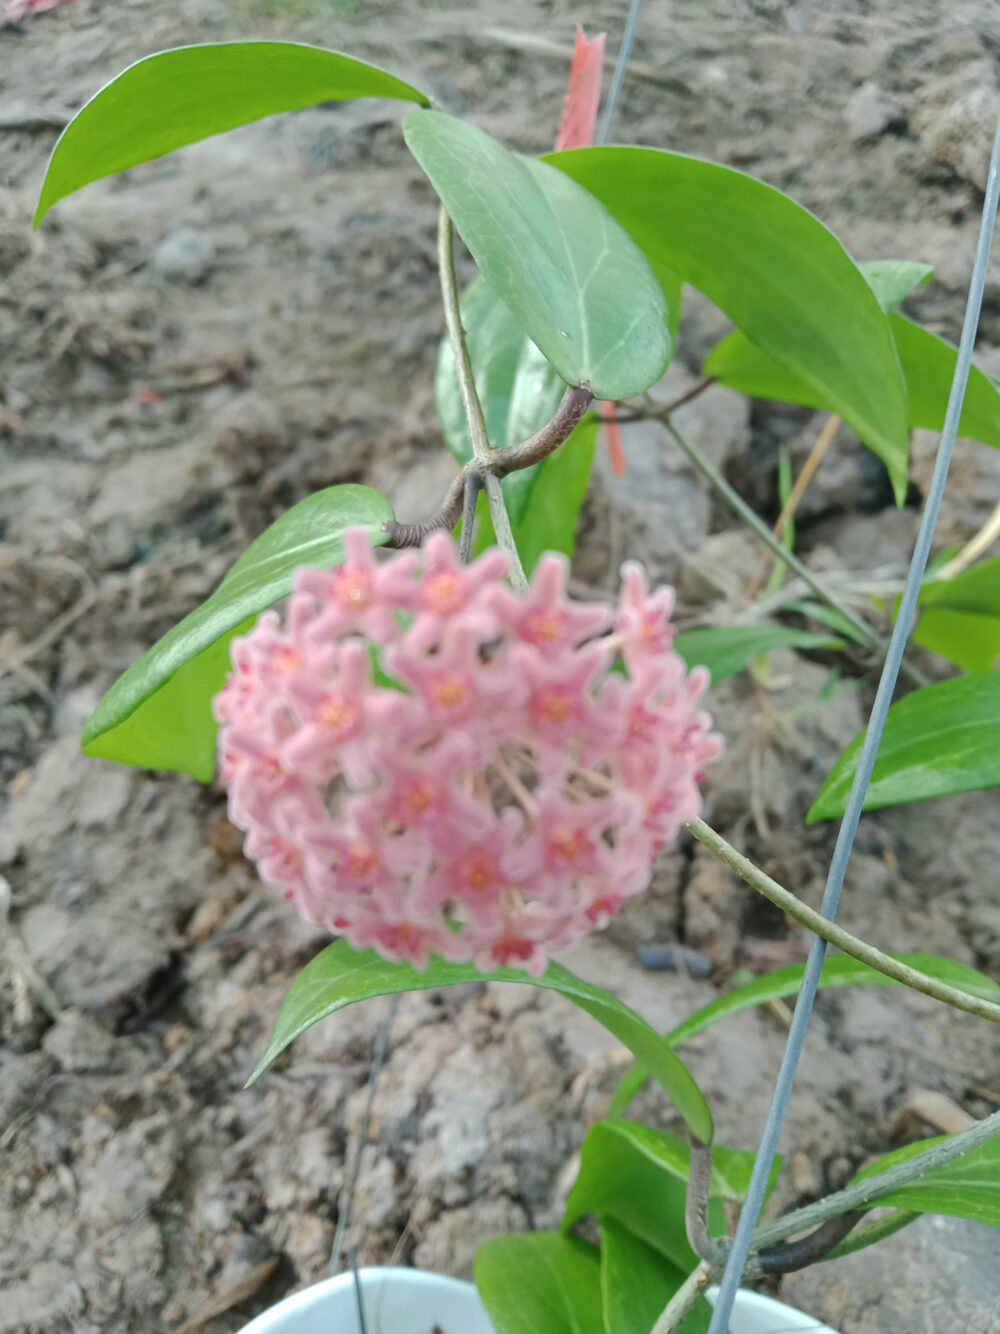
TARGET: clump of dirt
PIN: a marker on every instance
(188, 349)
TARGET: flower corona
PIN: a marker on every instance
(427, 761)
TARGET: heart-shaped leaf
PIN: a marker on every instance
(725, 650)
(967, 1187)
(177, 97)
(778, 273)
(839, 970)
(339, 976)
(939, 740)
(638, 1176)
(575, 282)
(158, 714)
(541, 1283)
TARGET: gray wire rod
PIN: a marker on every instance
(866, 763)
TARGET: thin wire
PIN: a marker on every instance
(347, 1194)
(869, 750)
(362, 1322)
(618, 78)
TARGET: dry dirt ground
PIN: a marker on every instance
(187, 350)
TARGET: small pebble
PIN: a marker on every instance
(185, 256)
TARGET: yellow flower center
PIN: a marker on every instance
(339, 713)
(555, 706)
(545, 627)
(354, 589)
(568, 843)
(450, 690)
(444, 593)
(479, 876)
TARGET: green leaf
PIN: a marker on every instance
(339, 976)
(967, 1187)
(637, 1282)
(892, 280)
(517, 387)
(177, 97)
(939, 740)
(540, 1283)
(726, 650)
(839, 970)
(960, 617)
(780, 275)
(831, 616)
(158, 714)
(575, 282)
(637, 1176)
(929, 366)
(969, 640)
(737, 363)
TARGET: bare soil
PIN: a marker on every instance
(190, 348)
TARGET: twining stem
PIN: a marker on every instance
(502, 529)
(498, 463)
(836, 935)
(823, 441)
(699, 1188)
(869, 1233)
(473, 486)
(481, 447)
(869, 1190)
(568, 415)
(789, 1256)
(859, 1196)
(684, 1300)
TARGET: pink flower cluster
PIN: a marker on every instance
(427, 761)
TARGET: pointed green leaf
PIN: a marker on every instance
(929, 365)
(967, 1187)
(839, 970)
(939, 740)
(781, 276)
(741, 365)
(637, 1282)
(177, 97)
(339, 976)
(892, 280)
(158, 714)
(638, 1176)
(575, 282)
(831, 616)
(725, 650)
(960, 617)
(968, 639)
(540, 1283)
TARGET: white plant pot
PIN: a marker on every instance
(408, 1301)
